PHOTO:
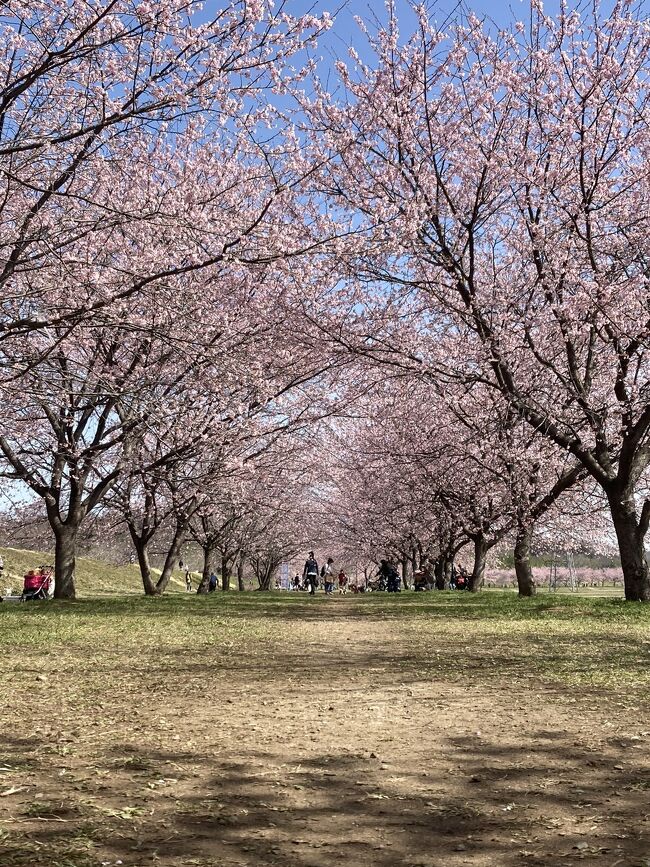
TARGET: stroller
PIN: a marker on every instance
(36, 585)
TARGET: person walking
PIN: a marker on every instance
(343, 582)
(310, 573)
(327, 574)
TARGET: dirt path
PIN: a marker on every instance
(328, 749)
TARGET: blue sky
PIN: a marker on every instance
(345, 33)
(502, 12)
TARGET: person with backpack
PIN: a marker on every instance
(310, 573)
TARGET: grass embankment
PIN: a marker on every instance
(92, 577)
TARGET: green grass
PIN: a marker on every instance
(569, 640)
(116, 623)
(92, 577)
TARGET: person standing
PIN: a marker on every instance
(310, 573)
(343, 582)
(188, 579)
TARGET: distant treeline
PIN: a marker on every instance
(580, 561)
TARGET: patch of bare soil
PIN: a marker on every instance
(323, 748)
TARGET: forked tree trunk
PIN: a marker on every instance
(65, 549)
(481, 549)
(630, 534)
(142, 550)
(171, 558)
(523, 569)
(265, 572)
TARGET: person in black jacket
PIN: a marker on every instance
(310, 573)
(389, 577)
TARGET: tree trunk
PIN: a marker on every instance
(523, 569)
(264, 578)
(265, 573)
(142, 550)
(171, 558)
(439, 574)
(447, 571)
(630, 536)
(481, 549)
(225, 573)
(145, 568)
(240, 575)
(405, 572)
(209, 558)
(65, 549)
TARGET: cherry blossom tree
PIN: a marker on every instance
(106, 95)
(429, 470)
(500, 186)
(146, 198)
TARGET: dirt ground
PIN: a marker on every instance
(321, 743)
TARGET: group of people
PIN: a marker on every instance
(387, 578)
(424, 580)
(312, 577)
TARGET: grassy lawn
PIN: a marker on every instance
(569, 639)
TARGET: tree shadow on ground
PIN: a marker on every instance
(184, 755)
(545, 801)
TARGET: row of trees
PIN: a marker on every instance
(425, 477)
(206, 255)
(148, 348)
(499, 189)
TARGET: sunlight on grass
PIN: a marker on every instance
(567, 640)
